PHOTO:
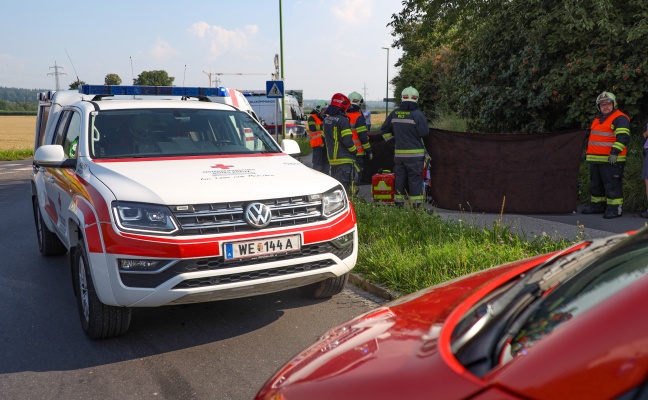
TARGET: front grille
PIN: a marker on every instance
(253, 275)
(217, 263)
(214, 218)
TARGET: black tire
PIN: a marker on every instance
(98, 320)
(326, 288)
(48, 243)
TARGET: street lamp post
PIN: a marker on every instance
(387, 89)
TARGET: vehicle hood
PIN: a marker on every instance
(395, 351)
(209, 180)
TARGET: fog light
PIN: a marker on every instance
(343, 241)
(133, 265)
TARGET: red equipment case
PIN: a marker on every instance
(382, 187)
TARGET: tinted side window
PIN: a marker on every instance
(71, 141)
(61, 126)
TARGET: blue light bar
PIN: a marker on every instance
(113, 90)
(222, 92)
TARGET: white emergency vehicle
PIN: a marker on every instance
(159, 200)
(269, 112)
(234, 98)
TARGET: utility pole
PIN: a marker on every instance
(56, 74)
(364, 91)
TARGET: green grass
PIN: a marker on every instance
(407, 250)
(13, 155)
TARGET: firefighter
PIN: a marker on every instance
(606, 154)
(315, 120)
(407, 125)
(338, 139)
(359, 130)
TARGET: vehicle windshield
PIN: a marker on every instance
(602, 279)
(522, 312)
(176, 132)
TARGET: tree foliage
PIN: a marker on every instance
(524, 65)
(154, 78)
(112, 79)
(75, 85)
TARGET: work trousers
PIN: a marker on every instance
(320, 160)
(360, 160)
(344, 174)
(409, 179)
(606, 184)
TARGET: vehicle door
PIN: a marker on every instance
(60, 183)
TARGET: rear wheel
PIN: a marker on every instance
(48, 243)
(326, 288)
(98, 320)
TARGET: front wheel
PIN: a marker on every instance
(98, 320)
(48, 243)
(326, 288)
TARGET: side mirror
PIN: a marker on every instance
(52, 155)
(290, 147)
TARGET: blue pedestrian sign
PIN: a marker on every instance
(275, 89)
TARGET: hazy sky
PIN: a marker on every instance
(328, 46)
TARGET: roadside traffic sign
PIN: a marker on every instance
(274, 89)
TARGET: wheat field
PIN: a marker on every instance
(17, 132)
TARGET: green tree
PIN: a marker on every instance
(154, 78)
(112, 79)
(525, 65)
(75, 85)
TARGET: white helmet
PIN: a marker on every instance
(409, 94)
(356, 98)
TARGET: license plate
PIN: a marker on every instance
(261, 247)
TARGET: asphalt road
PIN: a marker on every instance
(223, 350)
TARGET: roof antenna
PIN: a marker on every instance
(184, 75)
(132, 73)
(75, 73)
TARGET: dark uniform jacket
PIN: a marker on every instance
(406, 125)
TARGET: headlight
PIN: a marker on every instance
(144, 218)
(333, 201)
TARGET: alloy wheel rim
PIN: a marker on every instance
(83, 290)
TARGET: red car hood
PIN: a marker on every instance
(401, 350)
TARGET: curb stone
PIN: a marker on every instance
(363, 283)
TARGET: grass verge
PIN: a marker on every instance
(407, 250)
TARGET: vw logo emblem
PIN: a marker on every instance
(257, 215)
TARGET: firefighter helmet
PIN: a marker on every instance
(356, 99)
(605, 96)
(409, 94)
(340, 101)
(320, 105)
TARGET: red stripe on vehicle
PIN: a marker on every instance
(232, 93)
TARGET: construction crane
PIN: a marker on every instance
(217, 80)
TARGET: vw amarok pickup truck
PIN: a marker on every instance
(164, 197)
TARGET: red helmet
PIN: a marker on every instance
(340, 101)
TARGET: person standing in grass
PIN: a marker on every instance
(338, 138)
(315, 121)
(407, 125)
(606, 155)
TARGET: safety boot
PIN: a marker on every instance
(612, 212)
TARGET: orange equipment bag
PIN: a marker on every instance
(382, 187)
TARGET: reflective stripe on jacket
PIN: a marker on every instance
(359, 130)
(605, 138)
(338, 137)
(315, 128)
(406, 125)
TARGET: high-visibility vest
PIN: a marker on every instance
(601, 139)
(353, 116)
(316, 135)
